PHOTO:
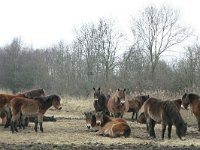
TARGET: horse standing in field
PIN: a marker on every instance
(101, 103)
(135, 104)
(112, 127)
(194, 101)
(29, 107)
(6, 98)
(117, 104)
(141, 117)
(167, 113)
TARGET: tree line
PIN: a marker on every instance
(92, 60)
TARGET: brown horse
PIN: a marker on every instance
(112, 127)
(117, 104)
(6, 98)
(101, 103)
(167, 113)
(30, 107)
(194, 101)
(91, 120)
(135, 104)
(141, 117)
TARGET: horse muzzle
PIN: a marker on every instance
(88, 126)
(98, 123)
(122, 102)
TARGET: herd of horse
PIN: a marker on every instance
(15, 109)
(107, 118)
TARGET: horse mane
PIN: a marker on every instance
(192, 96)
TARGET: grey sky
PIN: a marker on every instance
(41, 23)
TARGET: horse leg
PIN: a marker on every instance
(136, 115)
(163, 130)
(8, 119)
(133, 116)
(151, 128)
(147, 124)
(40, 120)
(23, 121)
(36, 125)
(198, 124)
(169, 130)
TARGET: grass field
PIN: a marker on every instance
(70, 132)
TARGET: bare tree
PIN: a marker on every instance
(157, 30)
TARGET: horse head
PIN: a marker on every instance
(121, 96)
(97, 92)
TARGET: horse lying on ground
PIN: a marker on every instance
(112, 127)
(117, 104)
(6, 98)
(194, 101)
(30, 107)
(135, 104)
(141, 117)
(167, 113)
(101, 103)
(91, 120)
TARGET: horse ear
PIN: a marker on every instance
(93, 88)
(118, 89)
(124, 89)
(99, 88)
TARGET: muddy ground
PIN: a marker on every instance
(70, 132)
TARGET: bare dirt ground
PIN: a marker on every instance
(70, 132)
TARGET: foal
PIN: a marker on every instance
(29, 107)
(112, 127)
(167, 113)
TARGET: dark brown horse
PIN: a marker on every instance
(117, 104)
(112, 127)
(194, 101)
(101, 103)
(167, 113)
(30, 107)
(6, 98)
(135, 104)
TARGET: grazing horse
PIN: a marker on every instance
(101, 103)
(135, 104)
(29, 107)
(194, 101)
(141, 117)
(167, 113)
(112, 127)
(117, 104)
(6, 98)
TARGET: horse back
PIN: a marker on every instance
(5, 99)
(24, 105)
(154, 109)
(119, 120)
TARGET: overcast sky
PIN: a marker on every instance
(41, 23)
